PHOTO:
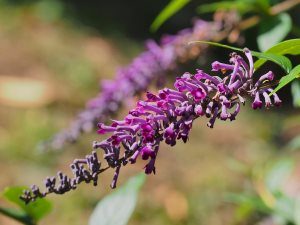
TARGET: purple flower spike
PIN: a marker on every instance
(166, 117)
(153, 64)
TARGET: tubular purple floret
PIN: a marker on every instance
(250, 59)
(201, 75)
(267, 98)
(235, 71)
(168, 119)
(269, 76)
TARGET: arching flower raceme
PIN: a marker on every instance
(168, 117)
(157, 61)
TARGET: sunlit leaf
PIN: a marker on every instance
(291, 47)
(295, 72)
(282, 61)
(295, 89)
(37, 210)
(273, 30)
(278, 173)
(173, 7)
(116, 208)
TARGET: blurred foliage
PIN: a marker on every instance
(270, 196)
(117, 207)
(173, 7)
(273, 30)
(296, 93)
(242, 6)
(28, 214)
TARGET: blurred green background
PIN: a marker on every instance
(53, 55)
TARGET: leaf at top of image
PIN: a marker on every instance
(173, 7)
(36, 210)
(272, 30)
(239, 6)
(117, 207)
(242, 6)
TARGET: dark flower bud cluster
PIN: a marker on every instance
(168, 117)
(84, 170)
(153, 64)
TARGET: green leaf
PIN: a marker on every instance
(297, 211)
(294, 144)
(18, 215)
(250, 200)
(282, 61)
(295, 72)
(225, 5)
(37, 210)
(273, 30)
(242, 6)
(116, 208)
(291, 47)
(295, 89)
(278, 173)
(284, 208)
(173, 7)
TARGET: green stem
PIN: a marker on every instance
(17, 215)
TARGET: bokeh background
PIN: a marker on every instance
(53, 55)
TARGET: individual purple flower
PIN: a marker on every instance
(167, 117)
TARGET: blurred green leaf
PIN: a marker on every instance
(18, 215)
(263, 4)
(250, 200)
(173, 7)
(225, 5)
(282, 61)
(37, 210)
(242, 6)
(291, 47)
(284, 209)
(277, 174)
(273, 30)
(297, 211)
(116, 208)
(295, 89)
(295, 72)
(49, 10)
(294, 144)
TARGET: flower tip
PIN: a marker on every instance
(278, 103)
(210, 125)
(257, 104)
